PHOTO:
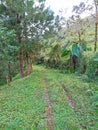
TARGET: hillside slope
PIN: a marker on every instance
(48, 100)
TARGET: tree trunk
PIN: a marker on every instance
(8, 76)
(29, 71)
(27, 58)
(96, 24)
(21, 63)
(20, 42)
(74, 61)
(9, 71)
(8, 80)
(95, 45)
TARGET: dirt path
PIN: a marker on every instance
(71, 101)
(49, 118)
(72, 104)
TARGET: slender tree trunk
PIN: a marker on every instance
(96, 25)
(21, 63)
(95, 44)
(20, 42)
(8, 80)
(27, 58)
(9, 71)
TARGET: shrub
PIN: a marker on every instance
(55, 56)
(95, 100)
(83, 61)
(92, 66)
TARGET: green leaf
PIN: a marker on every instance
(65, 53)
(76, 50)
(96, 59)
(66, 45)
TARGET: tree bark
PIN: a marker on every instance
(21, 63)
(27, 58)
(96, 25)
(20, 42)
(95, 44)
(9, 71)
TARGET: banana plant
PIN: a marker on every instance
(74, 50)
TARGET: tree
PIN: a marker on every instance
(96, 23)
(32, 22)
(55, 55)
(74, 52)
(7, 50)
(93, 10)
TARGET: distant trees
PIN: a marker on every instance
(77, 28)
(93, 9)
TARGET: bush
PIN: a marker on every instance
(92, 66)
(95, 100)
(54, 59)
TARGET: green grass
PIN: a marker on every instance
(64, 117)
(23, 104)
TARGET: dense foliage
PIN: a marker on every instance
(25, 24)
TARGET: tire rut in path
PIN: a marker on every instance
(72, 104)
(49, 118)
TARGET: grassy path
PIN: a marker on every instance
(72, 110)
(72, 104)
(47, 101)
(49, 119)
